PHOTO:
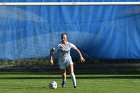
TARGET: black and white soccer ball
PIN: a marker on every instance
(53, 85)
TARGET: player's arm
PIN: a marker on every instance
(81, 57)
(51, 56)
(80, 54)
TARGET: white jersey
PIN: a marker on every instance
(64, 52)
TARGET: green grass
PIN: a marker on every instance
(90, 83)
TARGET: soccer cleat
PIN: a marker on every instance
(74, 86)
(63, 83)
(63, 86)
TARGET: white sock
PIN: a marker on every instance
(73, 79)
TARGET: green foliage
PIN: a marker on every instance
(25, 62)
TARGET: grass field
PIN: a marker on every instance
(90, 83)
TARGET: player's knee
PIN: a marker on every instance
(71, 71)
(72, 74)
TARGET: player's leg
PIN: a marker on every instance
(63, 73)
(71, 70)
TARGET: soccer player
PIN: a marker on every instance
(64, 58)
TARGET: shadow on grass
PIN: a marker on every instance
(81, 77)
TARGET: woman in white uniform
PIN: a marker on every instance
(64, 58)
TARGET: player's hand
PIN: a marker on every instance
(51, 62)
(82, 59)
(52, 50)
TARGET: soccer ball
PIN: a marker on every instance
(53, 85)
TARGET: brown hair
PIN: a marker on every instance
(64, 34)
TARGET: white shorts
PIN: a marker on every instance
(64, 65)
